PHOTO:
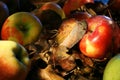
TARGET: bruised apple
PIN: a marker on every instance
(97, 42)
(14, 61)
(22, 27)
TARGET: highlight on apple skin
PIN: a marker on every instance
(14, 61)
(22, 27)
(97, 42)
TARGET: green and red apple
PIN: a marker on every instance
(22, 27)
(97, 42)
(14, 61)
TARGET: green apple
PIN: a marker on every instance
(112, 69)
(14, 61)
(22, 27)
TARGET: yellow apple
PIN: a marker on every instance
(14, 61)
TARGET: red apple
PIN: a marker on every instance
(50, 14)
(50, 6)
(97, 42)
(116, 39)
(114, 4)
(80, 15)
(71, 5)
(22, 27)
(4, 13)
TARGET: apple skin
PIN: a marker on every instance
(114, 5)
(71, 5)
(50, 6)
(50, 14)
(80, 15)
(97, 42)
(14, 61)
(4, 13)
(13, 5)
(112, 69)
(22, 27)
(116, 39)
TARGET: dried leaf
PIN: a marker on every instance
(70, 32)
(48, 74)
(61, 58)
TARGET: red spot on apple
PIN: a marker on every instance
(13, 32)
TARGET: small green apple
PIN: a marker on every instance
(22, 27)
(112, 69)
(14, 61)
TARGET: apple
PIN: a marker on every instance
(4, 13)
(50, 14)
(13, 5)
(22, 27)
(114, 5)
(42, 2)
(14, 61)
(71, 5)
(111, 71)
(116, 39)
(97, 42)
(80, 15)
(50, 6)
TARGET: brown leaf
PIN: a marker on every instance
(70, 32)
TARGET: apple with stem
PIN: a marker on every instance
(14, 61)
(97, 42)
(22, 27)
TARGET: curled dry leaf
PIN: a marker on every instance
(48, 74)
(62, 58)
(70, 32)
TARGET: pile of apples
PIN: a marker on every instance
(59, 40)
